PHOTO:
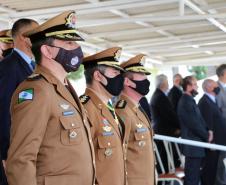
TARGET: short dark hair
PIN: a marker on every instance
(89, 71)
(220, 70)
(36, 48)
(187, 81)
(19, 24)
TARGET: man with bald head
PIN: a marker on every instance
(215, 122)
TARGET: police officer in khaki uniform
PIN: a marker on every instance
(104, 80)
(6, 43)
(140, 155)
(50, 136)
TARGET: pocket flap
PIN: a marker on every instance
(106, 141)
(69, 122)
(142, 135)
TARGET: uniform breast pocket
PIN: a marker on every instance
(141, 139)
(71, 132)
(106, 147)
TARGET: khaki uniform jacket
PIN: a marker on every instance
(140, 154)
(50, 140)
(107, 141)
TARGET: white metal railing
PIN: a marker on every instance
(166, 141)
(190, 142)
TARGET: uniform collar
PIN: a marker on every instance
(47, 74)
(62, 90)
(131, 103)
(96, 99)
(105, 112)
(135, 107)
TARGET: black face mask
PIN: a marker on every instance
(216, 90)
(194, 93)
(142, 86)
(6, 52)
(114, 85)
(69, 59)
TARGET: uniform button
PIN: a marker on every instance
(72, 124)
(142, 136)
(126, 173)
(109, 143)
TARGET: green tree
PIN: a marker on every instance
(78, 74)
(198, 71)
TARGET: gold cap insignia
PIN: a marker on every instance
(143, 59)
(71, 20)
(118, 55)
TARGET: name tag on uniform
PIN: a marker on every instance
(108, 133)
(142, 129)
(68, 113)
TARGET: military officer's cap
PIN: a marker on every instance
(5, 36)
(109, 57)
(135, 64)
(61, 27)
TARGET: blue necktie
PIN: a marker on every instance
(32, 65)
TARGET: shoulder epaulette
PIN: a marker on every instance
(121, 104)
(34, 76)
(84, 99)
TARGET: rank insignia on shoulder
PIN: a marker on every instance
(84, 99)
(25, 95)
(121, 104)
(34, 76)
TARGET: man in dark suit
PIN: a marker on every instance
(176, 91)
(14, 68)
(221, 102)
(193, 127)
(164, 117)
(215, 122)
(6, 44)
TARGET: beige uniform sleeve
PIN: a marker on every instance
(29, 121)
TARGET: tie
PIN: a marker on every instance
(112, 110)
(32, 64)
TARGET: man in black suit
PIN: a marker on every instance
(176, 91)
(164, 117)
(221, 102)
(14, 68)
(215, 122)
(193, 127)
